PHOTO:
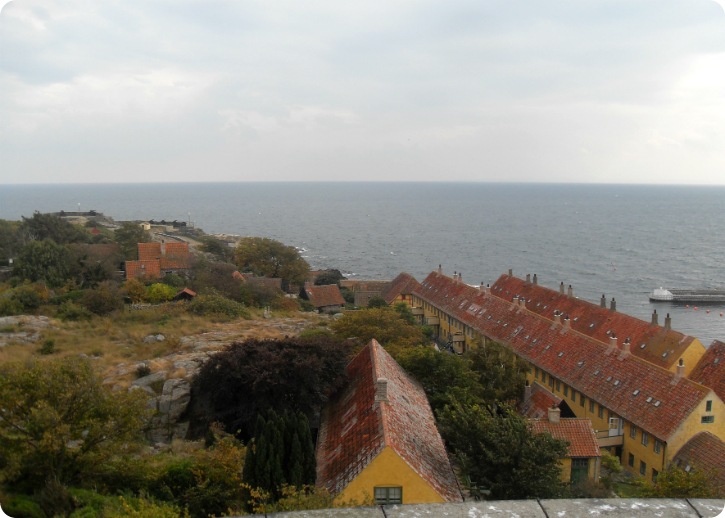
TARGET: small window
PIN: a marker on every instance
(633, 431)
(582, 400)
(566, 390)
(642, 468)
(551, 381)
(658, 446)
(591, 406)
(536, 373)
(655, 474)
(707, 419)
(543, 377)
(645, 439)
(708, 406)
(558, 385)
(573, 395)
(601, 412)
(631, 460)
(388, 495)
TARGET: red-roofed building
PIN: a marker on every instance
(704, 452)
(710, 370)
(658, 344)
(156, 259)
(643, 412)
(400, 289)
(583, 458)
(378, 438)
(326, 298)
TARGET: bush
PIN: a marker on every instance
(48, 347)
(102, 300)
(282, 303)
(10, 306)
(70, 311)
(22, 507)
(215, 304)
(159, 292)
(31, 296)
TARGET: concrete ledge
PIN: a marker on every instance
(608, 507)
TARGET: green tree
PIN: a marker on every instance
(128, 236)
(384, 324)
(377, 302)
(501, 374)
(500, 455)
(160, 292)
(443, 376)
(47, 226)
(44, 261)
(329, 277)
(269, 258)
(218, 248)
(675, 482)
(60, 423)
(10, 240)
(238, 383)
(103, 299)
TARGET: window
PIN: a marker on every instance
(591, 406)
(558, 385)
(645, 439)
(566, 390)
(642, 468)
(543, 377)
(388, 495)
(655, 473)
(536, 373)
(708, 406)
(579, 470)
(706, 419)
(631, 460)
(582, 400)
(658, 446)
(601, 412)
(633, 431)
(573, 395)
(551, 381)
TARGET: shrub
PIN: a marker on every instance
(31, 296)
(102, 300)
(48, 347)
(10, 306)
(282, 303)
(143, 370)
(70, 311)
(159, 292)
(22, 507)
(215, 304)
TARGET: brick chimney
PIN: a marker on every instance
(440, 269)
(612, 344)
(522, 302)
(679, 373)
(603, 301)
(557, 317)
(527, 391)
(460, 277)
(668, 322)
(554, 414)
(626, 351)
(567, 322)
(655, 319)
(613, 305)
(536, 281)
(511, 272)
(381, 390)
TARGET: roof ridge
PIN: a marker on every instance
(378, 405)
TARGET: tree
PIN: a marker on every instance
(377, 302)
(675, 482)
(500, 455)
(103, 299)
(60, 423)
(10, 240)
(216, 247)
(44, 261)
(443, 376)
(384, 324)
(128, 236)
(247, 378)
(269, 258)
(501, 374)
(329, 277)
(48, 226)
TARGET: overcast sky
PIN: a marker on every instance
(613, 91)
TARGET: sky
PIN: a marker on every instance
(587, 91)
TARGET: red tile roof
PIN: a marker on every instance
(704, 451)
(148, 269)
(579, 433)
(175, 256)
(324, 296)
(539, 403)
(149, 251)
(710, 370)
(403, 284)
(661, 346)
(649, 396)
(355, 427)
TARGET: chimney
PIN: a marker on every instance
(460, 277)
(528, 278)
(561, 288)
(522, 302)
(511, 272)
(567, 322)
(612, 344)
(570, 292)
(481, 288)
(381, 390)
(668, 322)
(557, 317)
(440, 269)
(613, 305)
(554, 414)
(455, 276)
(527, 391)
(536, 281)
(163, 247)
(603, 302)
(655, 319)
(625, 349)
(680, 373)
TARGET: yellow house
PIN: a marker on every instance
(399, 289)
(643, 409)
(378, 442)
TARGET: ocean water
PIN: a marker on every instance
(621, 241)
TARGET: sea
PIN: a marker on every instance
(621, 241)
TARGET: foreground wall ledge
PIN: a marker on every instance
(595, 507)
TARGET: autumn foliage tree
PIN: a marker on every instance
(269, 258)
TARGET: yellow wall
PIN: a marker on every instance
(690, 356)
(693, 425)
(388, 469)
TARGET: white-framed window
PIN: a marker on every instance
(388, 495)
(645, 439)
